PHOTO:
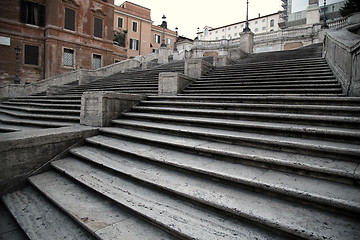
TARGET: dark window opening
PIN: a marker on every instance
(32, 13)
(31, 55)
(98, 25)
(70, 19)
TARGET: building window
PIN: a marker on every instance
(31, 55)
(69, 19)
(96, 61)
(134, 44)
(120, 22)
(236, 34)
(229, 36)
(169, 42)
(68, 57)
(157, 38)
(272, 23)
(223, 30)
(263, 20)
(134, 26)
(32, 13)
(256, 22)
(256, 29)
(263, 28)
(98, 26)
(216, 32)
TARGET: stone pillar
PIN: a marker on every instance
(163, 55)
(195, 68)
(220, 61)
(171, 83)
(313, 14)
(99, 108)
(247, 42)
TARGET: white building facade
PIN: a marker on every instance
(268, 23)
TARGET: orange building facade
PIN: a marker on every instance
(141, 36)
(56, 37)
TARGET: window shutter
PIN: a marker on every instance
(98, 27)
(69, 19)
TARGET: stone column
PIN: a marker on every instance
(163, 55)
(99, 108)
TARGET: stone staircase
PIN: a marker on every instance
(207, 164)
(63, 109)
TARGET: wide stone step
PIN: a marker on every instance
(55, 117)
(320, 167)
(99, 215)
(165, 209)
(258, 99)
(271, 71)
(317, 192)
(40, 219)
(337, 134)
(43, 105)
(19, 122)
(43, 110)
(308, 119)
(263, 86)
(312, 147)
(265, 91)
(250, 82)
(285, 216)
(305, 108)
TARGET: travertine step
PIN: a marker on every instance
(180, 217)
(101, 216)
(40, 219)
(288, 217)
(324, 167)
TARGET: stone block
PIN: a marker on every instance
(313, 14)
(171, 83)
(195, 68)
(99, 108)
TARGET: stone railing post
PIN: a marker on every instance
(99, 108)
(195, 68)
(171, 83)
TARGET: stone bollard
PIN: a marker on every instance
(171, 83)
(99, 108)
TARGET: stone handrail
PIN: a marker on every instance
(342, 51)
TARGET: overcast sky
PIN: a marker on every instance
(188, 15)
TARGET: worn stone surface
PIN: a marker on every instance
(40, 219)
(171, 83)
(23, 152)
(195, 68)
(98, 108)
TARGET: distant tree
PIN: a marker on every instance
(350, 7)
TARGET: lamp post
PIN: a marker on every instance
(324, 26)
(164, 26)
(247, 29)
(17, 79)
(176, 39)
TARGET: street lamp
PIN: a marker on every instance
(324, 26)
(176, 39)
(247, 29)
(17, 79)
(164, 24)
